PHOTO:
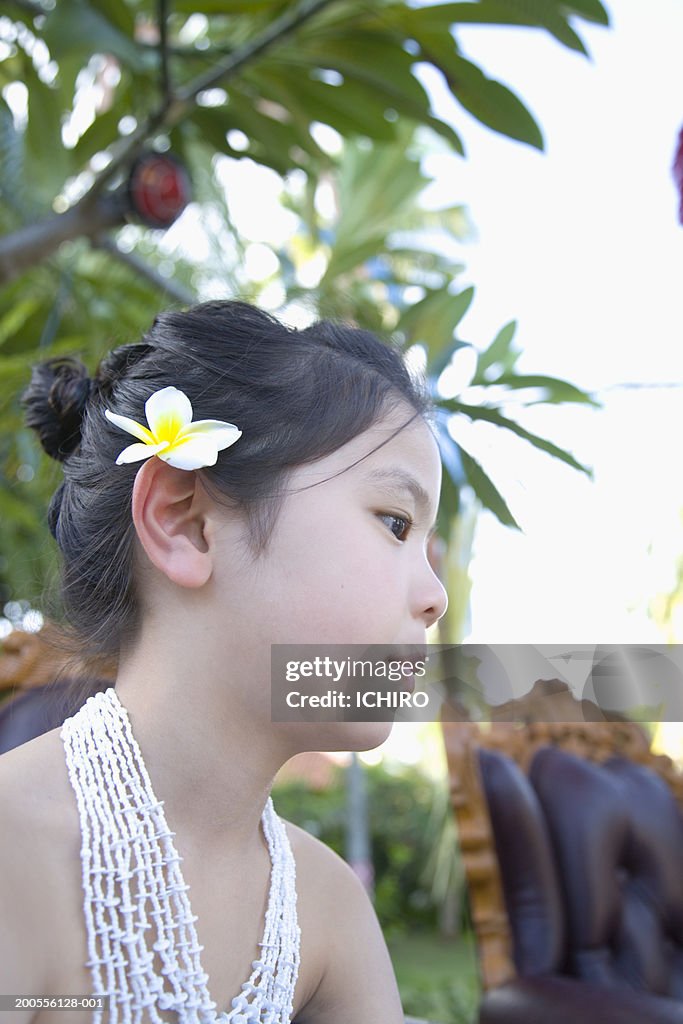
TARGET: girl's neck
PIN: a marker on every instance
(212, 768)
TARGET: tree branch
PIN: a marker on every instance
(95, 211)
(35, 242)
(188, 51)
(143, 269)
(281, 27)
(180, 106)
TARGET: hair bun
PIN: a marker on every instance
(116, 365)
(55, 402)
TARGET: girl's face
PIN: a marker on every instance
(347, 560)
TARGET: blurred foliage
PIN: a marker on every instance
(667, 609)
(418, 872)
(348, 64)
(386, 265)
(408, 816)
(438, 978)
(86, 84)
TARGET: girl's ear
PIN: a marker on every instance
(169, 515)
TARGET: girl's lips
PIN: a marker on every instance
(408, 683)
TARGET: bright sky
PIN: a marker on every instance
(582, 246)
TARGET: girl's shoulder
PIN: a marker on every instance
(340, 933)
(316, 868)
(35, 787)
(40, 839)
(317, 865)
(41, 831)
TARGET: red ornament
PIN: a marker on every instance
(159, 189)
(678, 173)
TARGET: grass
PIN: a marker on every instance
(437, 977)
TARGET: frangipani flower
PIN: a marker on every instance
(172, 435)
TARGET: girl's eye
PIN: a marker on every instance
(399, 525)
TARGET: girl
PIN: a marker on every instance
(229, 483)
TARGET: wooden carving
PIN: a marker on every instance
(477, 846)
(34, 659)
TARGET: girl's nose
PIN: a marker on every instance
(436, 602)
(433, 599)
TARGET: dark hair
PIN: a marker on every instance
(297, 396)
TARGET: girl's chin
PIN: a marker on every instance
(334, 737)
(358, 736)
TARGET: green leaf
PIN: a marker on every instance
(437, 20)
(100, 135)
(546, 14)
(11, 159)
(558, 390)
(118, 13)
(345, 258)
(19, 365)
(15, 318)
(357, 106)
(491, 415)
(486, 491)
(453, 477)
(491, 102)
(447, 132)
(410, 265)
(453, 219)
(69, 68)
(373, 58)
(440, 361)
(449, 502)
(14, 509)
(377, 188)
(591, 10)
(74, 26)
(360, 107)
(432, 322)
(500, 351)
(350, 108)
(47, 161)
(271, 142)
(19, 15)
(227, 7)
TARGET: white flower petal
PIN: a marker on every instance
(168, 411)
(137, 452)
(192, 453)
(221, 433)
(131, 426)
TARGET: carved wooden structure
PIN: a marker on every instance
(520, 728)
(28, 660)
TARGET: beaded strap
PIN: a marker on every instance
(136, 901)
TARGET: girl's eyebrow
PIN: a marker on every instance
(401, 480)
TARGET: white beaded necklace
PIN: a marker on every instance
(131, 869)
